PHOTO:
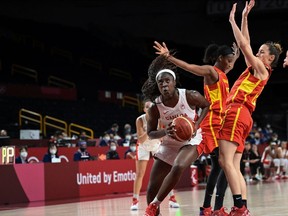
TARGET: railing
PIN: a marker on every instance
(18, 69)
(58, 82)
(52, 122)
(90, 133)
(30, 116)
(132, 101)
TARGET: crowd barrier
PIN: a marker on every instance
(20, 183)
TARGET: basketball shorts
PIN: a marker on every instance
(236, 126)
(169, 147)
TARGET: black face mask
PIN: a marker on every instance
(82, 149)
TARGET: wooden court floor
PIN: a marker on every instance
(263, 199)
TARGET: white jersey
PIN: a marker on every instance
(169, 147)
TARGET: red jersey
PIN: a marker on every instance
(216, 94)
(247, 89)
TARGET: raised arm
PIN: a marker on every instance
(203, 70)
(244, 45)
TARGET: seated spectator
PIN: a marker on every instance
(83, 136)
(281, 160)
(131, 152)
(104, 141)
(82, 154)
(22, 158)
(267, 158)
(255, 163)
(113, 130)
(52, 155)
(112, 154)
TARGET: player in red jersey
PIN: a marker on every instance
(216, 89)
(241, 103)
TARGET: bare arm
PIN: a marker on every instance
(195, 99)
(152, 123)
(260, 70)
(141, 133)
(206, 71)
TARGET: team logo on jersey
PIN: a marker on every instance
(182, 106)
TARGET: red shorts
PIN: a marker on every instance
(210, 129)
(236, 126)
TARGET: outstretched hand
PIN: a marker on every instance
(248, 7)
(161, 49)
(236, 50)
(232, 13)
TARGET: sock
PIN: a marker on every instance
(136, 196)
(156, 201)
(218, 202)
(238, 200)
(207, 201)
(244, 202)
(171, 193)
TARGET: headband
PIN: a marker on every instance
(166, 71)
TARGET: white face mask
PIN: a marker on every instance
(128, 137)
(133, 148)
(113, 148)
(23, 154)
(52, 151)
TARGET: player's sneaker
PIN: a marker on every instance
(205, 211)
(239, 211)
(220, 212)
(278, 177)
(151, 210)
(134, 205)
(173, 202)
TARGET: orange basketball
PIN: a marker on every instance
(185, 128)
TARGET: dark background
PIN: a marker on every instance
(120, 34)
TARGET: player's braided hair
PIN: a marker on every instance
(150, 88)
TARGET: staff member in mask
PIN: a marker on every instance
(22, 158)
(52, 153)
(82, 154)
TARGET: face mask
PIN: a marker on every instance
(133, 148)
(52, 151)
(128, 137)
(82, 149)
(23, 154)
(113, 148)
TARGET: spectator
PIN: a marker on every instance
(131, 152)
(255, 163)
(104, 141)
(267, 158)
(22, 158)
(52, 154)
(281, 161)
(112, 154)
(3, 133)
(113, 130)
(82, 154)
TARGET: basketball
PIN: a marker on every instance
(185, 128)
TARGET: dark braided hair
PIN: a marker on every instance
(150, 88)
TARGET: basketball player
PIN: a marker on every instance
(169, 102)
(241, 103)
(216, 89)
(145, 148)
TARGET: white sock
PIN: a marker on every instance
(171, 193)
(136, 196)
(156, 201)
